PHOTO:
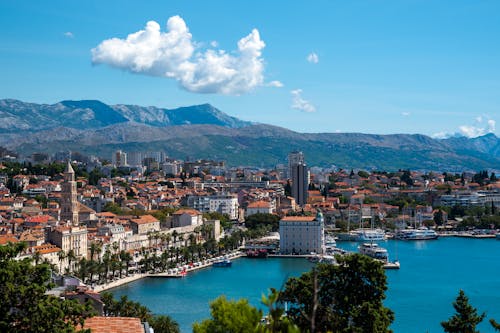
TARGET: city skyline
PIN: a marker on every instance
(392, 67)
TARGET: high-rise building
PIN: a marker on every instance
(119, 158)
(294, 158)
(134, 158)
(300, 183)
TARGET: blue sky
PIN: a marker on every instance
(430, 67)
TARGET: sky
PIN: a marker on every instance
(382, 67)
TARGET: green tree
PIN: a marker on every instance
(230, 316)
(25, 306)
(466, 317)
(341, 298)
(164, 324)
(255, 221)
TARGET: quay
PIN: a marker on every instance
(170, 273)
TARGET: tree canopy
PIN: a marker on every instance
(25, 306)
(230, 316)
(338, 298)
(466, 317)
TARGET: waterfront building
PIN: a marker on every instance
(302, 234)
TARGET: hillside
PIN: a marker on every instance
(204, 132)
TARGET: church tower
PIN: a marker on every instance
(69, 202)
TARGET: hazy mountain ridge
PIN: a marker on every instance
(204, 132)
(91, 114)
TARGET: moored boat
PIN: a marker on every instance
(421, 233)
(222, 263)
(374, 251)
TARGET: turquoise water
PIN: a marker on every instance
(420, 293)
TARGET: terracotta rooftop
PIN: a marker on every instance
(145, 219)
(298, 218)
(114, 325)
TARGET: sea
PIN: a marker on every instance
(420, 293)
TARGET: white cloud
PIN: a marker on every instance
(173, 54)
(405, 114)
(69, 34)
(482, 126)
(313, 58)
(214, 43)
(478, 129)
(276, 84)
(299, 103)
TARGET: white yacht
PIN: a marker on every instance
(374, 251)
(368, 235)
(421, 233)
(330, 243)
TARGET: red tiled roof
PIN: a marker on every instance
(298, 218)
(114, 325)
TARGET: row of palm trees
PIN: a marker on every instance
(165, 251)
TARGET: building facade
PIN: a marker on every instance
(302, 234)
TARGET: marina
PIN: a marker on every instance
(432, 273)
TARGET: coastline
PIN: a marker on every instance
(131, 278)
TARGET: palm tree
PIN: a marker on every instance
(71, 258)
(192, 239)
(61, 255)
(175, 234)
(37, 256)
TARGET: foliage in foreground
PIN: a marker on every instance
(340, 298)
(24, 306)
(466, 317)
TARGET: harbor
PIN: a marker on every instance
(432, 271)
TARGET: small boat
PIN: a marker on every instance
(222, 263)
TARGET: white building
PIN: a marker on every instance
(224, 204)
(302, 234)
(119, 158)
(256, 207)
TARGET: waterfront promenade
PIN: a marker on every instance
(170, 273)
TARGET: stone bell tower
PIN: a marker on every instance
(69, 202)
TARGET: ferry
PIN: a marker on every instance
(421, 233)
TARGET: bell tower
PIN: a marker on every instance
(69, 202)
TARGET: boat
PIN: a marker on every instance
(222, 263)
(421, 233)
(330, 243)
(378, 253)
(374, 251)
(261, 253)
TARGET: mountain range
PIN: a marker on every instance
(203, 131)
